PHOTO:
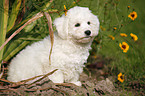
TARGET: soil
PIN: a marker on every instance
(45, 87)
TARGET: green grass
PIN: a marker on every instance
(132, 62)
(113, 13)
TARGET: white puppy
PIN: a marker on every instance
(72, 41)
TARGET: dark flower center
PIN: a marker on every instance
(124, 46)
(121, 77)
(133, 38)
(132, 15)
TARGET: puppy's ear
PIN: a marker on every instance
(61, 24)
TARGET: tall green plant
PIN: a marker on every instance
(13, 14)
(17, 44)
(3, 24)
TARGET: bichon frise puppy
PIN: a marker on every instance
(72, 42)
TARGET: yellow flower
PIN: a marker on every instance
(128, 7)
(121, 77)
(115, 28)
(132, 15)
(103, 29)
(65, 10)
(74, 2)
(124, 46)
(123, 35)
(113, 38)
(134, 36)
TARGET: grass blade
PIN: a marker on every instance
(16, 50)
(14, 14)
(3, 24)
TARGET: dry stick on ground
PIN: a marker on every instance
(43, 77)
(16, 84)
(65, 84)
(13, 84)
(48, 17)
(9, 88)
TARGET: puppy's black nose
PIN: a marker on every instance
(88, 32)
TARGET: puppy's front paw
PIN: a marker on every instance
(78, 83)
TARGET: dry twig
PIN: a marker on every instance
(23, 82)
(43, 77)
(65, 84)
(50, 33)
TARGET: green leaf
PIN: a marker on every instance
(15, 49)
(3, 23)
(14, 14)
(29, 27)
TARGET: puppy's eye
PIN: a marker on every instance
(77, 25)
(88, 22)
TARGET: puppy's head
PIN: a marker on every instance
(79, 24)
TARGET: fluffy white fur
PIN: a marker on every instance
(70, 51)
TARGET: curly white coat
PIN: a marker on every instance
(72, 42)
